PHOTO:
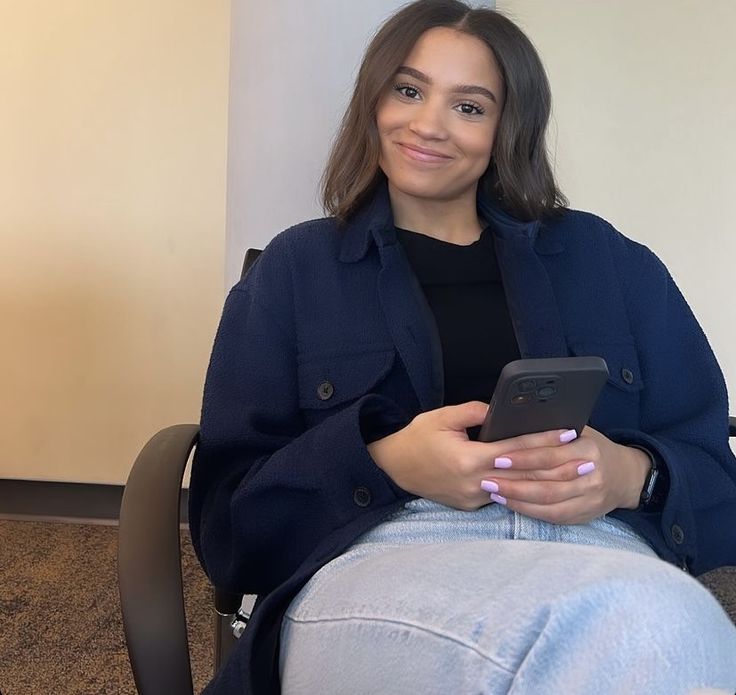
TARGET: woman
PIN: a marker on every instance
(335, 476)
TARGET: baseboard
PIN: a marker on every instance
(71, 502)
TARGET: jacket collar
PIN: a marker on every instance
(373, 223)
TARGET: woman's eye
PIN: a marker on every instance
(407, 91)
(470, 109)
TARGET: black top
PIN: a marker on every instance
(464, 290)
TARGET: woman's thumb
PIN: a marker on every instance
(464, 415)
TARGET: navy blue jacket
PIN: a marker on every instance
(329, 343)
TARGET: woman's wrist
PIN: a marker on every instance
(639, 465)
(377, 451)
(382, 451)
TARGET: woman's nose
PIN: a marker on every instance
(428, 122)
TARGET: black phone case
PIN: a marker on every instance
(538, 395)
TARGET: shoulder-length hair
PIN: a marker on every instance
(519, 176)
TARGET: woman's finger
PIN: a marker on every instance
(524, 444)
(539, 492)
(569, 470)
(549, 457)
(573, 510)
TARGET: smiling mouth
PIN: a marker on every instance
(421, 155)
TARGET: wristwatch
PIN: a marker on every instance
(646, 499)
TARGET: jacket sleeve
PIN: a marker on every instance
(265, 491)
(684, 420)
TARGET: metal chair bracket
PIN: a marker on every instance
(239, 623)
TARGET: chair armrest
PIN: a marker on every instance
(149, 564)
(732, 427)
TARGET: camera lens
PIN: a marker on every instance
(546, 392)
(527, 385)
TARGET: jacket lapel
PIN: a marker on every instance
(411, 324)
(408, 316)
(529, 293)
(531, 299)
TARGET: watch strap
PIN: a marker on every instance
(650, 483)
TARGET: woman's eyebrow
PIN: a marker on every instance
(457, 89)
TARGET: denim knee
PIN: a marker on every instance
(643, 624)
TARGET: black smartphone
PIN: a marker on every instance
(538, 395)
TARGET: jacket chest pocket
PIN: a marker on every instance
(332, 382)
(619, 404)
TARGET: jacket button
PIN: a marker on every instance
(362, 496)
(627, 375)
(678, 535)
(325, 390)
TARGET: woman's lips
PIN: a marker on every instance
(422, 155)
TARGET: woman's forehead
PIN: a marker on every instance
(448, 57)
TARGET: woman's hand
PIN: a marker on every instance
(432, 456)
(570, 484)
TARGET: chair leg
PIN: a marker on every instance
(224, 639)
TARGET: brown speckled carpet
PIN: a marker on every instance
(60, 625)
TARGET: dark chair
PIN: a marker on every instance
(149, 565)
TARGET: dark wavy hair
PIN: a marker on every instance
(518, 176)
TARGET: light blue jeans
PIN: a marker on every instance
(435, 601)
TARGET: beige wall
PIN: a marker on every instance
(112, 203)
(645, 133)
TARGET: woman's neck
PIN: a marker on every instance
(454, 221)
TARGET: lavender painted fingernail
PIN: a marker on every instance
(497, 498)
(584, 468)
(568, 436)
(502, 462)
(489, 486)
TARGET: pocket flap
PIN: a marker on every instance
(621, 357)
(328, 381)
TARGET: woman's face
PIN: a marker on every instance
(438, 120)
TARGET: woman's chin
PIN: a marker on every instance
(427, 192)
